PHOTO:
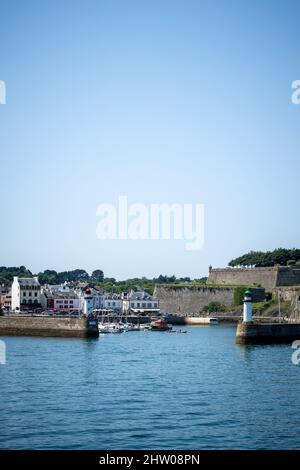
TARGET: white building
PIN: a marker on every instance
(140, 302)
(90, 299)
(98, 298)
(113, 302)
(25, 294)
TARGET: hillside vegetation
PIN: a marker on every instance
(280, 256)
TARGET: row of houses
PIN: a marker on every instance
(26, 294)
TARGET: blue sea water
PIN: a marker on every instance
(149, 390)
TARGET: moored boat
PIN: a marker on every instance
(131, 327)
(145, 327)
(106, 328)
(160, 325)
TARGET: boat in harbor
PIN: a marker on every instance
(145, 327)
(131, 327)
(160, 325)
(198, 321)
(110, 328)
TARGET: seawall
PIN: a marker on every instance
(41, 326)
(258, 333)
(191, 299)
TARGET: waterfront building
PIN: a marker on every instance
(7, 300)
(3, 294)
(140, 302)
(98, 298)
(113, 302)
(90, 299)
(60, 298)
(58, 287)
(25, 294)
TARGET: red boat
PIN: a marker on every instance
(160, 325)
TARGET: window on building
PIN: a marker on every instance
(138, 305)
(35, 294)
(149, 305)
(30, 294)
(143, 305)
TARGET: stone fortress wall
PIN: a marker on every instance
(191, 299)
(269, 277)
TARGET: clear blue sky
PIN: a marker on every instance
(162, 100)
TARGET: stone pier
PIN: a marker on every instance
(48, 326)
(263, 333)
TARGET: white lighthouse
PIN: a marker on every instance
(247, 311)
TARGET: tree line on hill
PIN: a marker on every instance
(50, 276)
(280, 256)
(97, 278)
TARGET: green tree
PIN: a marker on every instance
(98, 275)
(280, 256)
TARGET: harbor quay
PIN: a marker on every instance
(41, 326)
(264, 333)
(252, 332)
(77, 309)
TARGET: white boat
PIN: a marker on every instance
(145, 327)
(131, 327)
(201, 321)
(110, 328)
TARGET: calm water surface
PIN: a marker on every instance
(149, 390)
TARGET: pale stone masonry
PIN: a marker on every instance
(191, 299)
(268, 277)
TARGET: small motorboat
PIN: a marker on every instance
(131, 327)
(145, 327)
(160, 325)
(108, 328)
(177, 331)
